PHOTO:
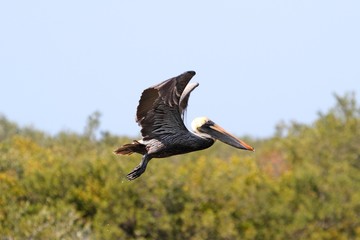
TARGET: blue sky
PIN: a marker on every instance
(257, 62)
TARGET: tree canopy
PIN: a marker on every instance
(301, 183)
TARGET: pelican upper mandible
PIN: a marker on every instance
(160, 114)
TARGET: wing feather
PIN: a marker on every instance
(159, 110)
(184, 99)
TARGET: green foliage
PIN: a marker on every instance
(303, 183)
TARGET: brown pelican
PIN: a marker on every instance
(160, 114)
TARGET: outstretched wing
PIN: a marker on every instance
(161, 106)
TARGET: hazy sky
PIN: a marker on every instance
(257, 62)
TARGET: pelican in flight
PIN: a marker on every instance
(160, 114)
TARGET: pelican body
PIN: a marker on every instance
(160, 114)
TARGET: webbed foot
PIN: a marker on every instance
(140, 169)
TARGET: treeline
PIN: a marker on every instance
(302, 183)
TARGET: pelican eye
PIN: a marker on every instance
(209, 123)
(200, 123)
(205, 126)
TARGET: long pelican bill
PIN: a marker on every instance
(222, 135)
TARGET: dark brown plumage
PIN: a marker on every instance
(160, 115)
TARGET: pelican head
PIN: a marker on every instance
(206, 128)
